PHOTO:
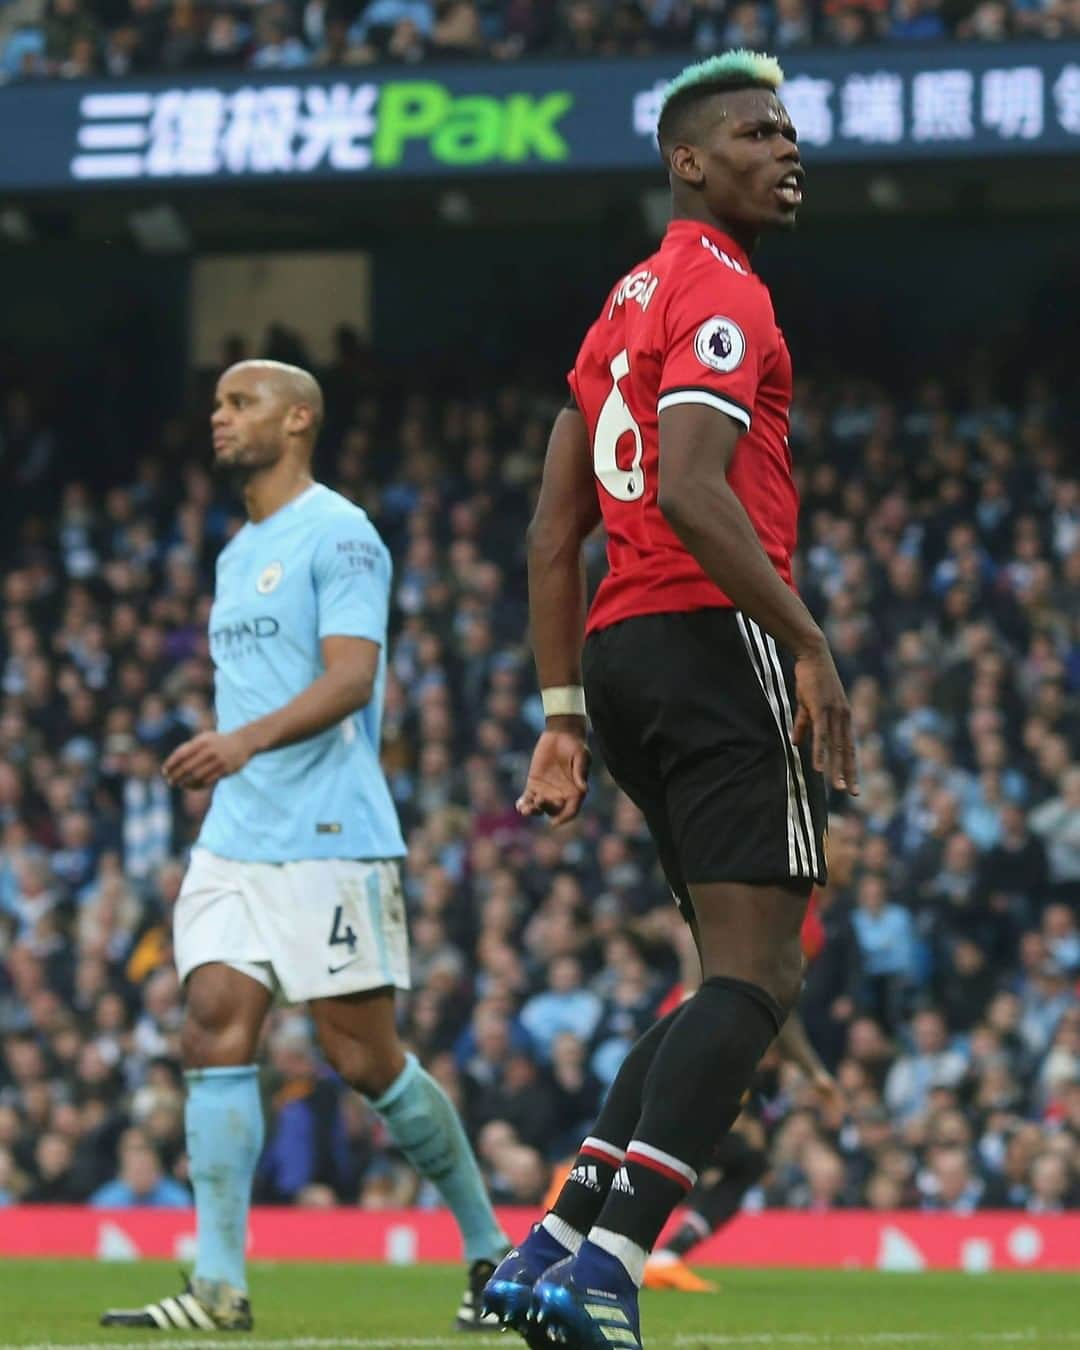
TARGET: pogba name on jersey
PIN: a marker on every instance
(640, 286)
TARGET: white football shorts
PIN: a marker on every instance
(305, 930)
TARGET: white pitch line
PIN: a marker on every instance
(253, 1343)
(1029, 1336)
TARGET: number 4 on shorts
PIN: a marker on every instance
(342, 937)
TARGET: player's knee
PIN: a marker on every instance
(779, 973)
(369, 1069)
(197, 1045)
(212, 1037)
(787, 975)
(223, 1011)
(783, 985)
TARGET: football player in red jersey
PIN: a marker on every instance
(713, 696)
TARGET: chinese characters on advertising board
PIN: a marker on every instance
(873, 106)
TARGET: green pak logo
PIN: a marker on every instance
(470, 128)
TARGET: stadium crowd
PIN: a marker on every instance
(82, 38)
(941, 550)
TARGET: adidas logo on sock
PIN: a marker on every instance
(622, 1182)
(585, 1175)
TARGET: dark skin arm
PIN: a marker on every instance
(567, 512)
(696, 447)
(794, 1045)
(346, 685)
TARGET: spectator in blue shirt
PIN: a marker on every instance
(388, 14)
(931, 1063)
(275, 47)
(24, 53)
(148, 816)
(886, 936)
(141, 1183)
(306, 1144)
(564, 1006)
(36, 894)
(8, 1190)
(917, 21)
(1047, 995)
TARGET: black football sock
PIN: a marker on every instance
(602, 1153)
(712, 1206)
(692, 1231)
(692, 1095)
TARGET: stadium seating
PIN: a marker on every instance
(74, 39)
(941, 550)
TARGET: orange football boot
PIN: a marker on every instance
(667, 1271)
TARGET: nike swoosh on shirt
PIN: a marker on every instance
(333, 970)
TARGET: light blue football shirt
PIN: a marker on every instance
(316, 568)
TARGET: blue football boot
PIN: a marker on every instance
(508, 1294)
(588, 1302)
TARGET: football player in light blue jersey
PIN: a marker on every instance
(294, 884)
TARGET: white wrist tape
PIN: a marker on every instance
(563, 700)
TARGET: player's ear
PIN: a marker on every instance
(299, 419)
(685, 164)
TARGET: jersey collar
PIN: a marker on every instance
(290, 506)
(683, 231)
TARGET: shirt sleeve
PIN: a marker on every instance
(574, 401)
(718, 336)
(352, 573)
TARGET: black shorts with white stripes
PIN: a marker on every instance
(692, 714)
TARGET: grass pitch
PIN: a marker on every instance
(367, 1307)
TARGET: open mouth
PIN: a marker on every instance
(789, 188)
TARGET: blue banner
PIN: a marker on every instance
(874, 105)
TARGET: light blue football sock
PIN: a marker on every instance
(224, 1122)
(426, 1128)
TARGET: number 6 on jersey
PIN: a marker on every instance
(614, 422)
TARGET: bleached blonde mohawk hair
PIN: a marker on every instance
(723, 74)
(736, 66)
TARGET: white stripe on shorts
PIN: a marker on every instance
(803, 796)
(798, 849)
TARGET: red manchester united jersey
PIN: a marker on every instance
(691, 324)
